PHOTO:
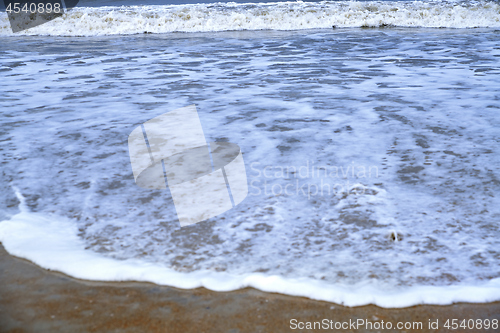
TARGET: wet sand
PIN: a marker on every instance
(36, 300)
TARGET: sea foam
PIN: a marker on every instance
(298, 15)
(301, 99)
(52, 242)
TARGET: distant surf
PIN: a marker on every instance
(113, 20)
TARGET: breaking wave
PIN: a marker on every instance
(115, 20)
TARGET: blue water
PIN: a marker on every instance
(371, 150)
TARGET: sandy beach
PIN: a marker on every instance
(36, 300)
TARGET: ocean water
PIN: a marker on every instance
(371, 150)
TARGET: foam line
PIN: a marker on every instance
(52, 243)
(298, 15)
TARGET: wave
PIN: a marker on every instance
(52, 243)
(263, 16)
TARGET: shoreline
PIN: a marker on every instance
(33, 299)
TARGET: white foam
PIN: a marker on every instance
(69, 110)
(52, 243)
(257, 16)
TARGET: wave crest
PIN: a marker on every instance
(263, 16)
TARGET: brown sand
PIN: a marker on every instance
(36, 300)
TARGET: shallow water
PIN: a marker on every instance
(371, 154)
